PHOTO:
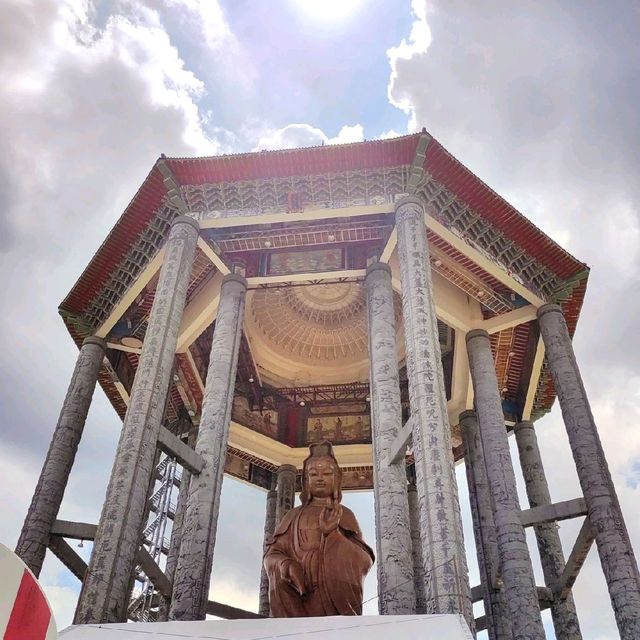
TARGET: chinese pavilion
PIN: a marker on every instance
(377, 295)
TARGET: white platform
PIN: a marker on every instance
(434, 627)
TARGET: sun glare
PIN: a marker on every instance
(328, 10)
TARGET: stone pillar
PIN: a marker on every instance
(269, 528)
(563, 612)
(47, 497)
(416, 549)
(286, 488)
(193, 570)
(495, 607)
(176, 529)
(104, 593)
(612, 539)
(515, 562)
(447, 580)
(396, 593)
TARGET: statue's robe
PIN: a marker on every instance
(334, 565)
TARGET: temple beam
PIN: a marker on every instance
(576, 559)
(553, 512)
(398, 448)
(536, 371)
(74, 530)
(154, 572)
(69, 558)
(199, 313)
(317, 214)
(208, 251)
(227, 612)
(134, 291)
(508, 320)
(183, 453)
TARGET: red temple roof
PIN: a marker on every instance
(308, 161)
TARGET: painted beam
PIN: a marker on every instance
(509, 319)
(390, 246)
(123, 347)
(208, 251)
(320, 213)
(199, 313)
(553, 512)
(536, 371)
(134, 291)
(482, 261)
(306, 277)
(576, 559)
(183, 453)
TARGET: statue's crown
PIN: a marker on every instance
(321, 449)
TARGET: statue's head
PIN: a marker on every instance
(321, 475)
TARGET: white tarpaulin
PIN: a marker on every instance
(433, 627)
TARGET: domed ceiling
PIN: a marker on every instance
(312, 334)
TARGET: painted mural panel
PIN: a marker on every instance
(306, 261)
(339, 429)
(265, 422)
(236, 467)
(354, 479)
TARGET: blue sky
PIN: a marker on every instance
(539, 99)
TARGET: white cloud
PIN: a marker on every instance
(87, 107)
(305, 135)
(63, 604)
(417, 45)
(348, 134)
(536, 103)
(206, 22)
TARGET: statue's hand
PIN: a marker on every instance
(293, 574)
(330, 518)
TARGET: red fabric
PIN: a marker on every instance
(30, 615)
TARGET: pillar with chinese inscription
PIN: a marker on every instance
(195, 560)
(612, 539)
(34, 537)
(269, 528)
(484, 530)
(286, 490)
(396, 594)
(563, 610)
(515, 562)
(416, 548)
(447, 581)
(106, 586)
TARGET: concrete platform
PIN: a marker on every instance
(442, 627)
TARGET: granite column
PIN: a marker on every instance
(515, 562)
(195, 560)
(176, 529)
(104, 593)
(396, 593)
(47, 497)
(286, 490)
(447, 580)
(269, 528)
(416, 548)
(563, 612)
(495, 607)
(612, 539)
